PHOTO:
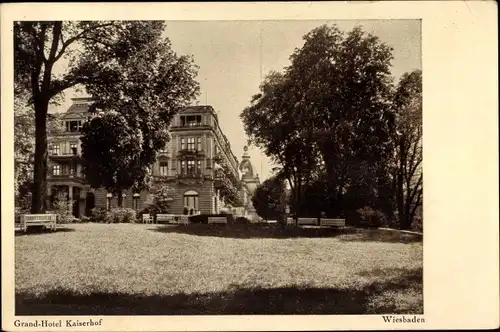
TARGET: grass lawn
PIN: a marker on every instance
(125, 269)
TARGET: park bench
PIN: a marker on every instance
(290, 221)
(147, 218)
(164, 218)
(332, 222)
(217, 220)
(307, 221)
(47, 220)
(182, 219)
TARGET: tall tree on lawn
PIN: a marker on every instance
(408, 142)
(90, 51)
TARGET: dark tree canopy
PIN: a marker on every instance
(98, 56)
(269, 199)
(408, 143)
(328, 115)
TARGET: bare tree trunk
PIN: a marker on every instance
(40, 164)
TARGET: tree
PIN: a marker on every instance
(158, 202)
(327, 117)
(408, 152)
(86, 49)
(24, 144)
(269, 199)
(111, 150)
(142, 94)
(272, 122)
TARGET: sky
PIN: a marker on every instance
(233, 56)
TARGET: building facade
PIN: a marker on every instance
(196, 169)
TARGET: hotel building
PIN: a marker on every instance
(195, 166)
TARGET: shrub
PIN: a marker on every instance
(203, 218)
(99, 215)
(84, 219)
(242, 221)
(155, 207)
(121, 215)
(62, 206)
(370, 217)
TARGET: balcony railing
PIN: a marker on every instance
(67, 176)
(193, 152)
(221, 180)
(190, 174)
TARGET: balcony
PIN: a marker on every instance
(221, 180)
(191, 153)
(67, 177)
(64, 155)
(195, 174)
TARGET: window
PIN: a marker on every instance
(73, 126)
(55, 149)
(183, 143)
(73, 148)
(191, 120)
(190, 143)
(190, 201)
(190, 167)
(56, 169)
(163, 168)
(199, 143)
(183, 167)
(198, 166)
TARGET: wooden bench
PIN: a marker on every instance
(147, 218)
(290, 221)
(332, 222)
(47, 220)
(307, 221)
(164, 217)
(217, 220)
(180, 220)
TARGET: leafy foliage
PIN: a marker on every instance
(62, 206)
(136, 99)
(24, 145)
(98, 57)
(121, 215)
(158, 203)
(112, 150)
(370, 217)
(408, 142)
(99, 214)
(230, 192)
(269, 199)
(326, 120)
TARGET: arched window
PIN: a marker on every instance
(191, 201)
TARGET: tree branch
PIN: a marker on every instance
(78, 36)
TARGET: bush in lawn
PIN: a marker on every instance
(62, 206)
(85, 219)
(158, 204)
(242, 221)
(370, 217)
(203, 218)
(121, 215)
(99, 215)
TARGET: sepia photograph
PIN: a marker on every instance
(177, 168)
(263, 167)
